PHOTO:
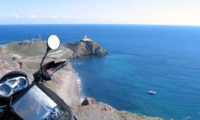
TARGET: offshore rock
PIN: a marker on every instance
(86, 48)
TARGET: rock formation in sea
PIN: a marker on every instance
(85, 48)
(27, 55)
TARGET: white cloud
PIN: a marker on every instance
(33, 16)
(54, 17)
(17, 16)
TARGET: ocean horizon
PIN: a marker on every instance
(141, 58)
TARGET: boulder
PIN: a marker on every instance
(107, 108)
(101, 52)
(88, 101)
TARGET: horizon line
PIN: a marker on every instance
(100, 24)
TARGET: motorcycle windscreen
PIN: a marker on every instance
(36, 105)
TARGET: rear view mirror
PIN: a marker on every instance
(53, 42)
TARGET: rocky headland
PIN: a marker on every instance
(86, 48)
(27, 55)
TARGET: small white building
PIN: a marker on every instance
(86, 39)
(14, 57)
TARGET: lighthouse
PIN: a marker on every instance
(86, 39)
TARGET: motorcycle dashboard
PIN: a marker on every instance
(12, 85)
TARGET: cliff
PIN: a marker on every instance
(86, 48)
(93, 110)
(65, 84)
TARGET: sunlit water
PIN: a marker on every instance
(141, 58)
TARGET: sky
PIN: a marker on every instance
(161, 12)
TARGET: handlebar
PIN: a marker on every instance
(48, 70)
(56, 66)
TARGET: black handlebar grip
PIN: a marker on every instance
(58, 66)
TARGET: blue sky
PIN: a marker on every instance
(166, 12)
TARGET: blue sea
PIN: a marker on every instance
(165, 59)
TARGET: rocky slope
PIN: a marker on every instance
(85, 48)
(29, 55)
(92, 110)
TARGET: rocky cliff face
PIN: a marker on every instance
(92, 110)
(86, 48)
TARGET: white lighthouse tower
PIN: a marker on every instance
(86, 39)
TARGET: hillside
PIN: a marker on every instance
(65, 82)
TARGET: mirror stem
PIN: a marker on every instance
(43, 60)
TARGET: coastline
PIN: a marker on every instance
(66, 82)
(78, 79)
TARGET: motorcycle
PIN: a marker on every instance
(20, 100)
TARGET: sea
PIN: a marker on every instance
(165, 59)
